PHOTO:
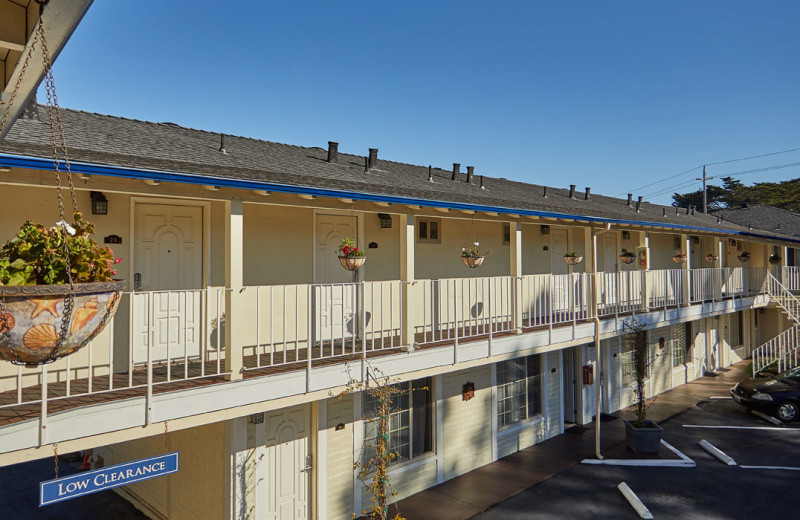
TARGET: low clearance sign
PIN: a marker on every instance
(57, 490)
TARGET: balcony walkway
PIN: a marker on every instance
(477, 491)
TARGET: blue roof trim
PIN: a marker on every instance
(37, 163)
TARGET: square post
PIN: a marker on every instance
(234, 285)
(515, 271)
(407, 238)
(686, 249)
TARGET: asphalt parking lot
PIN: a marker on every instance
(711, 490)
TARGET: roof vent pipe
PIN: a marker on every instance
(456, 171)
(638, 204)
(588, 189)
(687, 210)
(482, 186)
(572, 191)
(470, 173)
(692, 210)
(665, 212)
(544, 192)
(222, 144)
(366, 164)
(333, 152)
(373, 158)
(676, 211)
(430, 173)
(630, 199)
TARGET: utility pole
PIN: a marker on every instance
(705, 197)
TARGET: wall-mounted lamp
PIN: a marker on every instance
(386, 220)
(695, 240)
(626, 235)
(99, 203)
(86, 176)
(151, 182)
(545, 229)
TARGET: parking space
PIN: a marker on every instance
(711, 490)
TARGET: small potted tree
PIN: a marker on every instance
(627, 257)
(472, 256)
(350, 256)
(573, 258)
(642, 435)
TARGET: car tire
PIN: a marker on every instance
(787, 411)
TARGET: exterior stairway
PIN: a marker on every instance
(783, 351)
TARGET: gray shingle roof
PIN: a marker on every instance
(116, 141)
(765, 218)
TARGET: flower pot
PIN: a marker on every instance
(573, 260)
(711, 259)
(627, 259)
(679, 259)
(774, 259)
(32, 330)
(472, 261)
(744, 258)
(352, 263)
(643, 440)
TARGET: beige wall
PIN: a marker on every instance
(443, 260)
(278, 245)
(197, 491)
(383, 262)
(339, 477)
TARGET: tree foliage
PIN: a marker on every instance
(733, 193)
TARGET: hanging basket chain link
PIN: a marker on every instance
(55, 459)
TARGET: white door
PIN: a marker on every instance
(334, 296)
(168, 266)
(712, 356)
(569, 382)
(560, 284)
(288, 464)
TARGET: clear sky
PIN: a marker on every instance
(608, 94)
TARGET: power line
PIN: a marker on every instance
(710, 164)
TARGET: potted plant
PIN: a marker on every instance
(744, 257)
(642, 435)
(572, 258)
(627, 257)
(711, 257)
(350, 256)
(472, 256)
(679, 257)
(774, 258)
(56, 291)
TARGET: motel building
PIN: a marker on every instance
(239, 326)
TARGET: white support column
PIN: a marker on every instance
(236, 430)
(686, 243)
(234, 282)
(407, 238)
(515, 271)
(493, 412)
(438, 386)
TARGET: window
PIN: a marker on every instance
(519, 390)
(410, 421)
(428, 230)
(506, 233)
(682, 341)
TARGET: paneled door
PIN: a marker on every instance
(334, 291)
(168, 266)
(288, 464)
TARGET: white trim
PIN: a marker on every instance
(322, 460)
(412, 464)
(358, 443)
(771, 467)
(204, 205)
(520, 425)
(544, 392)
(439, 431)
(493, 413)
(561, 388)
(683, 462)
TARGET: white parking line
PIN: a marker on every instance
(741, 427)
(684, 462)
(719, 397)
(717, 453)
(634, 501)
(771, 467)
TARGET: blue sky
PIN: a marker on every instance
(613, 95)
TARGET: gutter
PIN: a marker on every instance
(35, 163)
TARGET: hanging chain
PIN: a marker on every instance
(17, 85)
(55, 458)
(166, 436)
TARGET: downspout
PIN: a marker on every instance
(597, 342)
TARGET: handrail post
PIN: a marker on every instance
(43, 415)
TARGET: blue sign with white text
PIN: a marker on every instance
(52, 491)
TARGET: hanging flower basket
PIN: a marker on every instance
(33, 329)
(711, 257)
(679, 257)
(350, 256)
(352, 263)
(473, 261)
(573, 258)
(774, 259)
(744, 257)
(627, 257)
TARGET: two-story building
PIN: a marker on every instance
(240, 327)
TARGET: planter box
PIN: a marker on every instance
(643, 440)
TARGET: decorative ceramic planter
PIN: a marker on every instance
(32, 330)
(744, 257)
(627, 259)
(679, 259)
(472, 261)
(643, 440)
(352, 263)
(573, 260)
(711, 259)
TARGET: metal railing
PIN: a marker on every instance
(549, 300)
(783, 351)
(790, 278)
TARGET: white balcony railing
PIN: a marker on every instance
(168, 340)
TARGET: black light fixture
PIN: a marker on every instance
(99, 203)
(545, 229)
(386, 220)
(626, 235)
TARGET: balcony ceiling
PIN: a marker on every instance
(17, 21)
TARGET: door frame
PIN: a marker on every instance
(359, 216)
(205, 205)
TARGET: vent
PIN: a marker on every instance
(373, 158)
(333, 152)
